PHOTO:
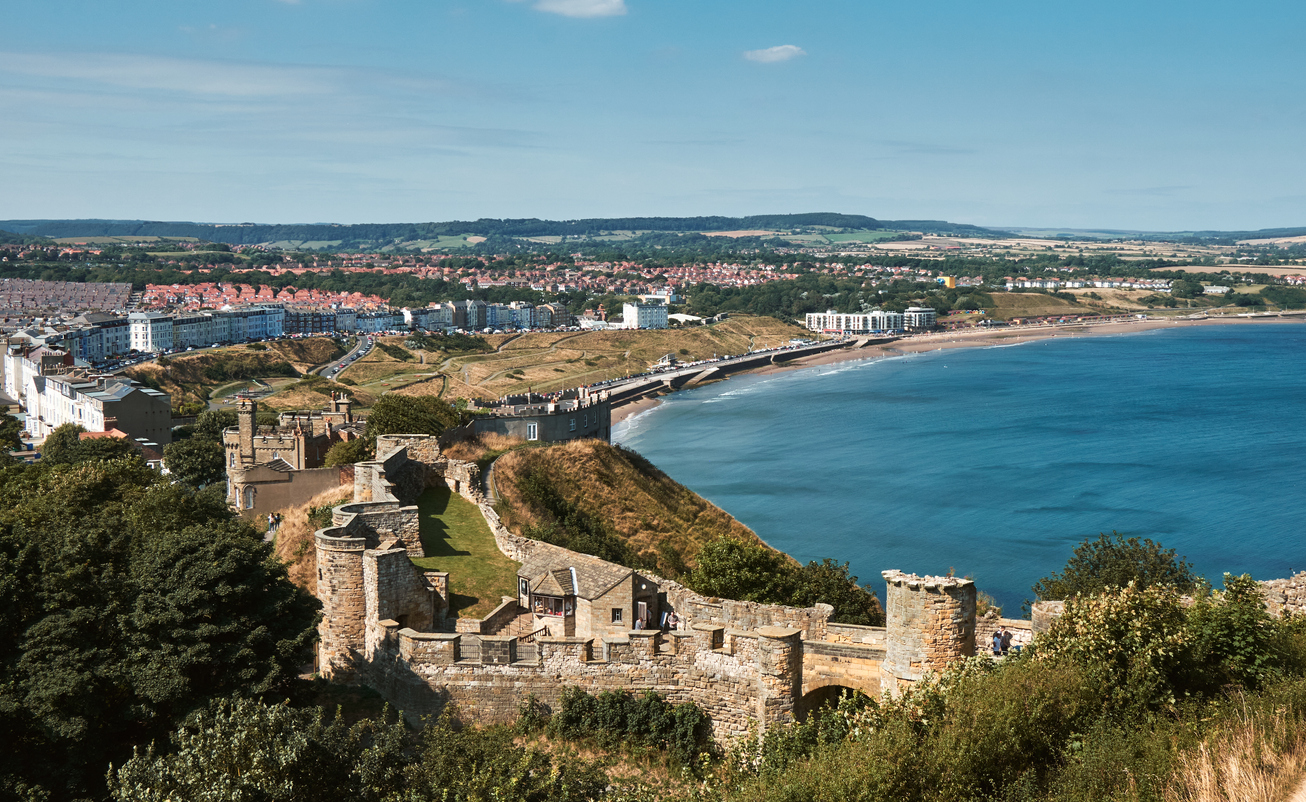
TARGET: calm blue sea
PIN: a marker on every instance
(996, 462)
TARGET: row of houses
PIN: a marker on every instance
(916, 318)
(53, 390)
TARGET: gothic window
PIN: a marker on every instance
(249, 498)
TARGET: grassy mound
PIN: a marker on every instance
(646, 509)
(193, 377)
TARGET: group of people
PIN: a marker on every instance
(274, 522)
(1001, 642)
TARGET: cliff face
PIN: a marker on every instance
(644, 506)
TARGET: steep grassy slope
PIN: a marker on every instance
(645, 507)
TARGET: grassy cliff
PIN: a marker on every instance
(654, 515)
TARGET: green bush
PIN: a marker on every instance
(615, 717)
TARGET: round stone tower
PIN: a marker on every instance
(342, 633)
(929, 623)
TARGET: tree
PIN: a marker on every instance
(61, 446)
(405, 414)
(1114, 562)
(209, 424)
(196, 461)
(144, 601)
(348, 452)
(732, 569)
(829, 582)
(244, 749)
(10, 432)
(65, 446)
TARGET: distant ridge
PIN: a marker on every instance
(381, 234)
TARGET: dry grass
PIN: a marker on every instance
(557, 360)
(294, 543)
(316, 396)
(477, 447)
(1253, 760)
(644, 505)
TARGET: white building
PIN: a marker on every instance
(97, 404)
(150, 331)
(920, 317)
(644, 316)
(875, 321)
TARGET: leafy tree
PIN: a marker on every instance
(61, 446)
(405, 414)
(64, 446)
(732, 569)
(348, 452)
(210, 424)
(1114, 562)
(10, 432)
(244, 749)
(145, 599)
(196, 461)
(829, 582)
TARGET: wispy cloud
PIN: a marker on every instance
(192, 76)
(772, 55)
(583, 8)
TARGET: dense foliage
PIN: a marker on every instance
(64, 446)
(275, 753)
(616, 718)
(1114, 562)
(733, 569)
(406, 414)
(128, 602)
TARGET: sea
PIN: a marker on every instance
(995, 462)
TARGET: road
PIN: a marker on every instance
(330, 369)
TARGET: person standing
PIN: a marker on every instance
(1004, 640)
(997, 643)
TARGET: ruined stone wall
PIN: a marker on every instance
(1285, 595)
(929, 623)
(395, 589)
(1022, 631)
(496, 620)
(751, 676)
(848, 665)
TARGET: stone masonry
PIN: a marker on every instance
(929, 623)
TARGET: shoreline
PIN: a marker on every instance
(979, 338)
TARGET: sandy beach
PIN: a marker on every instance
(976, 338)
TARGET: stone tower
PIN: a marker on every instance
(342, 632)
(929, 623)
(246, 417)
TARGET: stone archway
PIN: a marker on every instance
(822, 696)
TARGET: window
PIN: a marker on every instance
(573, 424)
(551, 605)
(532, 431)
(616, 615)
(249, 498)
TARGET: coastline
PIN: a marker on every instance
(976, 338)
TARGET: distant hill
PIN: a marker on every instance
(368, 236)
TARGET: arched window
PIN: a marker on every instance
(249, 498)
(233, 459)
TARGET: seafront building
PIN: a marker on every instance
(644, 316)
(875, 321)
(920, 318)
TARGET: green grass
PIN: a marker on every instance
(457, 540)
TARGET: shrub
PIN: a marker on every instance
(1114, 562)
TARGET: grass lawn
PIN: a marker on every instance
(456, 539)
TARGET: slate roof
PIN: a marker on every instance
(549, 572)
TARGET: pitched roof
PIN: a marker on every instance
(551, 566)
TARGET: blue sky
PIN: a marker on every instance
(1139, 115)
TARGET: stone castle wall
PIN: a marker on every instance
(749, 677)
(1285, 595)
(929, 623)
